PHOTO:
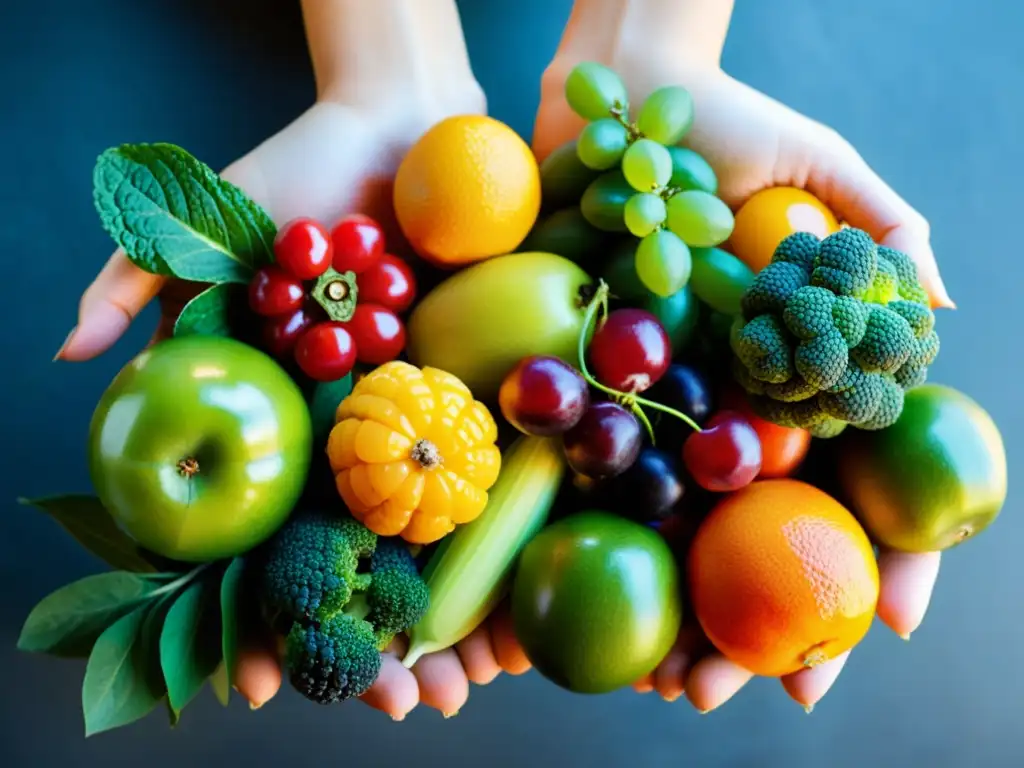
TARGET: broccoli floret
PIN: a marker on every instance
(833, 332)
(340, 595)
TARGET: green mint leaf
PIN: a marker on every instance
(85, 518)
(68, 621)
(231, 597)
(221, 685)
(117, 689)
(190, 648)
(175, 216)
(327, 396)
(220, 310)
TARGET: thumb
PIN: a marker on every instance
(859, 197)
(108, 306)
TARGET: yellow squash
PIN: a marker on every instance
(413, 453)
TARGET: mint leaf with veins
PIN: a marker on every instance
(174, 216)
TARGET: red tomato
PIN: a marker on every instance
(378, 332)
(358, 243)
(390, 283)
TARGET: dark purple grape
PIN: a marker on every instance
(650, 489)
(604, 443)
(686, 389)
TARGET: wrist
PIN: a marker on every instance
(388, 52)
(664, 34)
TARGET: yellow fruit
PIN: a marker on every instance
(467, 190)
(771, 215)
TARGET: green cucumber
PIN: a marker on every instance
(470, 571)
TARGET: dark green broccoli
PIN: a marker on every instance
(339, 594)
(832, 333)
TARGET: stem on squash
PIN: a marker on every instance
(599, 304)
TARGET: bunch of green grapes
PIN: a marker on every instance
(648, 185)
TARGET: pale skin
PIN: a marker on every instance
(388, 70)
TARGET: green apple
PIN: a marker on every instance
(200, 447)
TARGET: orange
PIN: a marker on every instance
(782, 577)
(468, 189)
(772, 214)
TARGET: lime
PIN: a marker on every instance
(933, 479)
(596, 601)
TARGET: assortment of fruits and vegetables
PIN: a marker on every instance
(603, 351)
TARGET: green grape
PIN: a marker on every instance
(719, 279)
(647, 165)
(565, 233)
(663, 263)
(691, 171)
(604, 201)
(602, 144)
(563, 178)
(644, 213)
(619, 272)
(667, 115)
(593, 90)
(699, 218)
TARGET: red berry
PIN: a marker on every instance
(273, 291)
(326, 352)
(303, 248)
(378, 332)
(282, 332)
(725, 455)
(543, 396)
(390, 283)
(358, 243)
(630, 351)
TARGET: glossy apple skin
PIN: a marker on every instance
(231, 409)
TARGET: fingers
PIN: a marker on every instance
(670, 676)
(109, 305)
(258, 672)
(477, 655)
(862, 199)
(907, 581)
(395, 691)
(713, 681)
(507, 651)
(808, 686)
(645, 684)
(442, 681)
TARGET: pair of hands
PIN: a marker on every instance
(337, 158)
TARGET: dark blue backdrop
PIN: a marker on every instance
(929, 91)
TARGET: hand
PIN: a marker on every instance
(332, 160)
(754, 142)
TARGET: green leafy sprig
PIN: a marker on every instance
(147, 635)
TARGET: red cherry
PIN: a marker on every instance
(358, 243)
(326, 352)
(272, 291)
(543, 395)
(630, 351)
(282, 332)
(390, 283)
(303, 248)
(725, 455)
(378, 332)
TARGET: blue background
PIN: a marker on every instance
(929, 91)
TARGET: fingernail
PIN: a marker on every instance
(905, 636)
(450, 715)
(67, 340)
(809, 708)
(673, 697)
(398, 718)
(253, 706)
(703, 711)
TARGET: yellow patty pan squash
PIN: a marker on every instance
(413, 453)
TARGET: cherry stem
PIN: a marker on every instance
(635, 403)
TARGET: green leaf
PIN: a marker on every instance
(67, 622)
(325, 401)
(85, 518)
(173, 215)
(117, 688)
(190, 648)
(151, 630)
(220, 310)
(230, 604)
(221, 685)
